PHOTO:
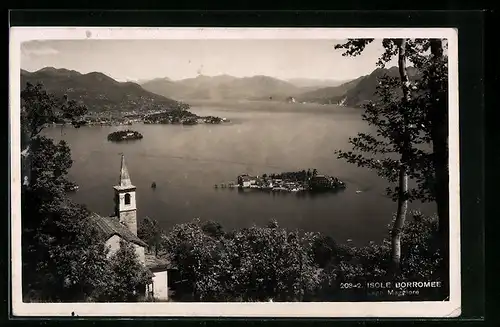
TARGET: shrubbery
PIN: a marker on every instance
(62, 259)
(263, 263)
(126, 278)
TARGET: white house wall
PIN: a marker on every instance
(160, 283)
(113, 244)
(139, 250)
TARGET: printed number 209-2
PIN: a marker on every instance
(350, 285)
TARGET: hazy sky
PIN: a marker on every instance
(177, 59)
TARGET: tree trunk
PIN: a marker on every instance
(439, 135)
(405, 82)
(397, 229)
(403, 175)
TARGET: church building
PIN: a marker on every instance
(123, 226)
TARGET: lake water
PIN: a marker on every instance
(186, 162)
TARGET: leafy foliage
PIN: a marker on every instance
(126, 278)
(420, 260)
(39, 108)
(401, 135)
(62, 258)
(213, 229)
(264, 263)
(392, 117)
(150, 231)
(254, 264)
(354, 47)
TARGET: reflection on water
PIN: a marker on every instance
(298, 195)
(186, 162)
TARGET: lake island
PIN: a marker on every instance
(125, 135)
(298, 181)
(183, 117)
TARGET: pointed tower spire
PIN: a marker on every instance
(124, 175)
(125, 200)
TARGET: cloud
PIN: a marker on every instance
(126, 79)
(37, 49)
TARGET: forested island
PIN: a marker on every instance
(181, 116)
(125, 135)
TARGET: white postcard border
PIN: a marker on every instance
(451, 308)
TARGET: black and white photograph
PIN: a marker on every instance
(234, 172)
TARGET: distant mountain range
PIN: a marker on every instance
(101, 92)
(222, 87)
(351, 93)
(97, 90)
(315, 83)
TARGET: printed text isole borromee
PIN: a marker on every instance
(391, 288)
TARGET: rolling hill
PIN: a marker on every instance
(97, 91)
(332, 94)
(354, 93)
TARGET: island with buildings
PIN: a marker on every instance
(298, 181)
(183, 117)
(126, 135)
(112, 118)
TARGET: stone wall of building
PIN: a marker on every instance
(129, 218)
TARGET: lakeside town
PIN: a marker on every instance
(175, 116)
(298, 181)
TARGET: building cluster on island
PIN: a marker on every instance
(172, 116)
(299, 181)
(184, 117)
(125, 135)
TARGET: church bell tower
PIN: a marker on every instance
(125, 203)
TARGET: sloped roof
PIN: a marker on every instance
(158, 264)
(109, 226)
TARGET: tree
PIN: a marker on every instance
(393, 153)
(213, 229)
(398, 136)
(62, 260)
(39, 108)
(433, 97)
(324, 250)
(151, 233)
(127, 277)
(194, 252)
(251, 264)
(435, 82)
